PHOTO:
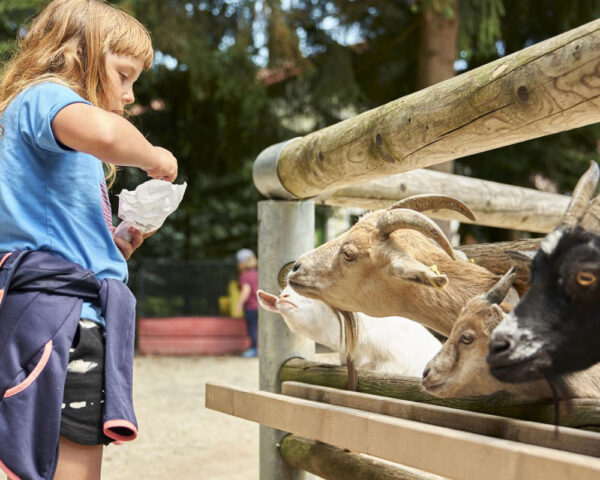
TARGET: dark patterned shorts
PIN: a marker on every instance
(82, 408)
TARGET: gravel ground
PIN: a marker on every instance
(178, 437)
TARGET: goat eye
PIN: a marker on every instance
(586, 278)
(466, 338)
(349, 256)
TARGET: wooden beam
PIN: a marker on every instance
(439, 450)
(494, 204)
(499, 257)
(332, 463)
(577, 413)
(561, 438)
(547, 88)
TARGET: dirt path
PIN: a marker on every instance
(179, 438)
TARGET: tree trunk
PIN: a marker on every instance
(437, 53)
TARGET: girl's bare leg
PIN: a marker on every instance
(78, 462)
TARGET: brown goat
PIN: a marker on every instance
(460, 368)
(387, 264)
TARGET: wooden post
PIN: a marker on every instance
(285, 230)
(547, 88)
(332, 463)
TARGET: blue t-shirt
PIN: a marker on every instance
(53, 198)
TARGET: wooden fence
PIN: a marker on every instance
(547, 88)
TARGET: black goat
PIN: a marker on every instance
(555, 328)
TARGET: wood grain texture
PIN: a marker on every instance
(332, 463)
(494, 204)
(442, 451)
(547, 88)
(543, 435)
(499, 257)
(577, 413)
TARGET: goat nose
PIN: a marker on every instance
(426, 372)
(296, 267)
(500, 343)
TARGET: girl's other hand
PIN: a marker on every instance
(127, 248)
(167, 165)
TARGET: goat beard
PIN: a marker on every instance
(559, 389)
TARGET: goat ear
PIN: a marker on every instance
(506, 307)
(267, 301)
(411, 270)
(501, 309)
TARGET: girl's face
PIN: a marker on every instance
(122, 71)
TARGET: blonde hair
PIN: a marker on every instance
(67, 43)
(248, 264)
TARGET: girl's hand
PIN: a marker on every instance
(167, 165)
(127, 248)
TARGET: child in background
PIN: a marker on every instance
(248, 283)
(62, 100)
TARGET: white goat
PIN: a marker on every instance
(386, 345)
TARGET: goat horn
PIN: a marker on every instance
(425, 202)
(391, 220)
(591, 219)
(497, 293)
(581, 197)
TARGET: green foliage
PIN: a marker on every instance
(216, 119)
(562, 157)
(13, 14)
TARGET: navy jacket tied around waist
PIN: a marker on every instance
(40, 305)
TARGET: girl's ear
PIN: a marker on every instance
(267, 301)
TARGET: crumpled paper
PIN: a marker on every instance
(147, 207)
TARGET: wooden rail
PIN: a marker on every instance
(578, 413)
(443, 451)
(547, 88)
(494, 204)
(334, 463)
(562, 438)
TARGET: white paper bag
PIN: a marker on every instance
(148, 206)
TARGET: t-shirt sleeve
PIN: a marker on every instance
(39, 106)
(249, 277)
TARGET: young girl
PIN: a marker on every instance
(247, 302)
(62, 99)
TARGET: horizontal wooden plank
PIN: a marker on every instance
(578, 413)
(561, 438)
(332, 463)
(439, 450)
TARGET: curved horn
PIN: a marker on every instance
(497, 293)
(581, 197)
(424, 202)
(391, 220)
(591, 219)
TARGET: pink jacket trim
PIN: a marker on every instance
(4, 258)
(34, 373)
(9, 473)
(120, 424)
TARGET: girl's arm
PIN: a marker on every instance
(112, 139)
(244, 295)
